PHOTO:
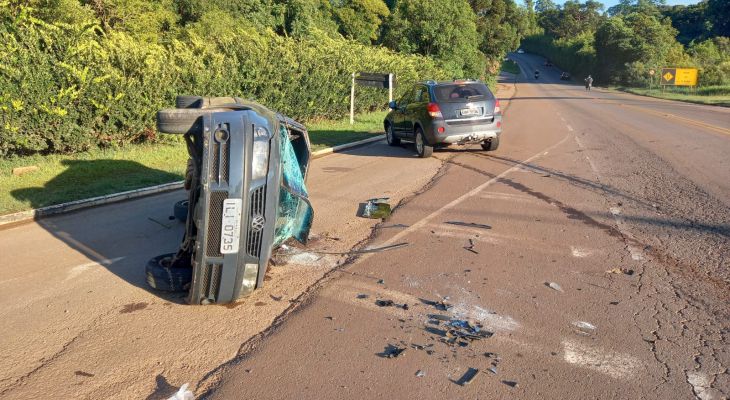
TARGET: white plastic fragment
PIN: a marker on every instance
(554, 286)
(183, 394)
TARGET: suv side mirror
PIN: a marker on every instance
(393, 105)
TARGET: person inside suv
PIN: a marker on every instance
(433, 114)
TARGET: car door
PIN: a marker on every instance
(399, 113)
(413, 110)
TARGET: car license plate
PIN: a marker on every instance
(470, 112)
(231, 226)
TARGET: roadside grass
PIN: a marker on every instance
(711, 95)
(510, 66)
(63, 178)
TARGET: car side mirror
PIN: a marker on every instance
(393, 105)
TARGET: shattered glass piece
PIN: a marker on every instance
(420, 374)
(554, 286)
(295, 214)
(468, 377)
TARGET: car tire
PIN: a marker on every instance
(179, 121)
(180, 210)
(422, 147)
(189, 102)
(491, 145)
(161, 276)
(390, 136)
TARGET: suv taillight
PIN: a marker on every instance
(433, 110)
(497, 108)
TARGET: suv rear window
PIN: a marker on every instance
(461, 92)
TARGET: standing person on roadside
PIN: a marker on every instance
(589, 83)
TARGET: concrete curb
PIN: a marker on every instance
(331, 150)
(38, 213)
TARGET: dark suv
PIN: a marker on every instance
(433, 114)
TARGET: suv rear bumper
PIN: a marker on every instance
(458, 132)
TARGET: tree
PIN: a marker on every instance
(691, 21)
(443, 29)
(626, 7)
(360, 20)
(500, 26)
(718, 11)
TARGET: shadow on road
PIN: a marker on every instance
(118, 237)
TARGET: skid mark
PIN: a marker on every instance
(613, 364)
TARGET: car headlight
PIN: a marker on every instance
(260, 154)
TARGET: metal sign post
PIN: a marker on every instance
(352, 100)
(379, 81)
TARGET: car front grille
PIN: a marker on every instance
(215, 220)
(258, 206)
(219, 164)
(211, 281)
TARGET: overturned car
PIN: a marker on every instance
(246, 196)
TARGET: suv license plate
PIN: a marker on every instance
(231, 226)
(470, 112)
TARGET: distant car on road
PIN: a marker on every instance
(548, 63)
(520, 51)
(435, 114)
(564, 76)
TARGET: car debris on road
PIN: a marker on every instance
(377, 208)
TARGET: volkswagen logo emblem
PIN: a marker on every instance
(258, 222)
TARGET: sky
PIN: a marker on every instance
(609, 3)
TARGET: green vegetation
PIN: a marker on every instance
(621, 46)
(712, 95)
(79, 75)
(63, 178)
(510, 66)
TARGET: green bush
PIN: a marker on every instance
(67, 87)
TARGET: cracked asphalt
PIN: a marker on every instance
(593, 245)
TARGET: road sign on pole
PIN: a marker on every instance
(679, 77)
(369, 79)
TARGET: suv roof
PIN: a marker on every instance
(435, 83)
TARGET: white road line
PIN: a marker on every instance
(426, 220)
(636, 253)
(80, 269)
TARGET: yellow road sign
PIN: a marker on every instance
(679, 76)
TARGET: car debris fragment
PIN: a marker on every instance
(377, 208)
(468, 377)
(183, 394)
(510, 383)
(390, 303)
(392, 351)
(420, 374)
(470, 247)
(469, 224)
(554, 286)
(619, 271)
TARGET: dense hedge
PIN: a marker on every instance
(71, 87)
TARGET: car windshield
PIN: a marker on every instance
(461, 91)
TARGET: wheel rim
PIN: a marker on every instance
(419, 142)
(389, 134)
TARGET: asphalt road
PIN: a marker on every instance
(584, 183)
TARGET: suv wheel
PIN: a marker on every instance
(491, 145)
(390, 137)
(422, 147)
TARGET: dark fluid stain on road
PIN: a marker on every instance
(132, 307)
(84, 374)
(259, 303)
(232, 304)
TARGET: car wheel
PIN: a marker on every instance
(189, 102)
(422, 147)
(491, 145)
(162, 276)
(179, 121)
(180, 210)
(390, 136)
